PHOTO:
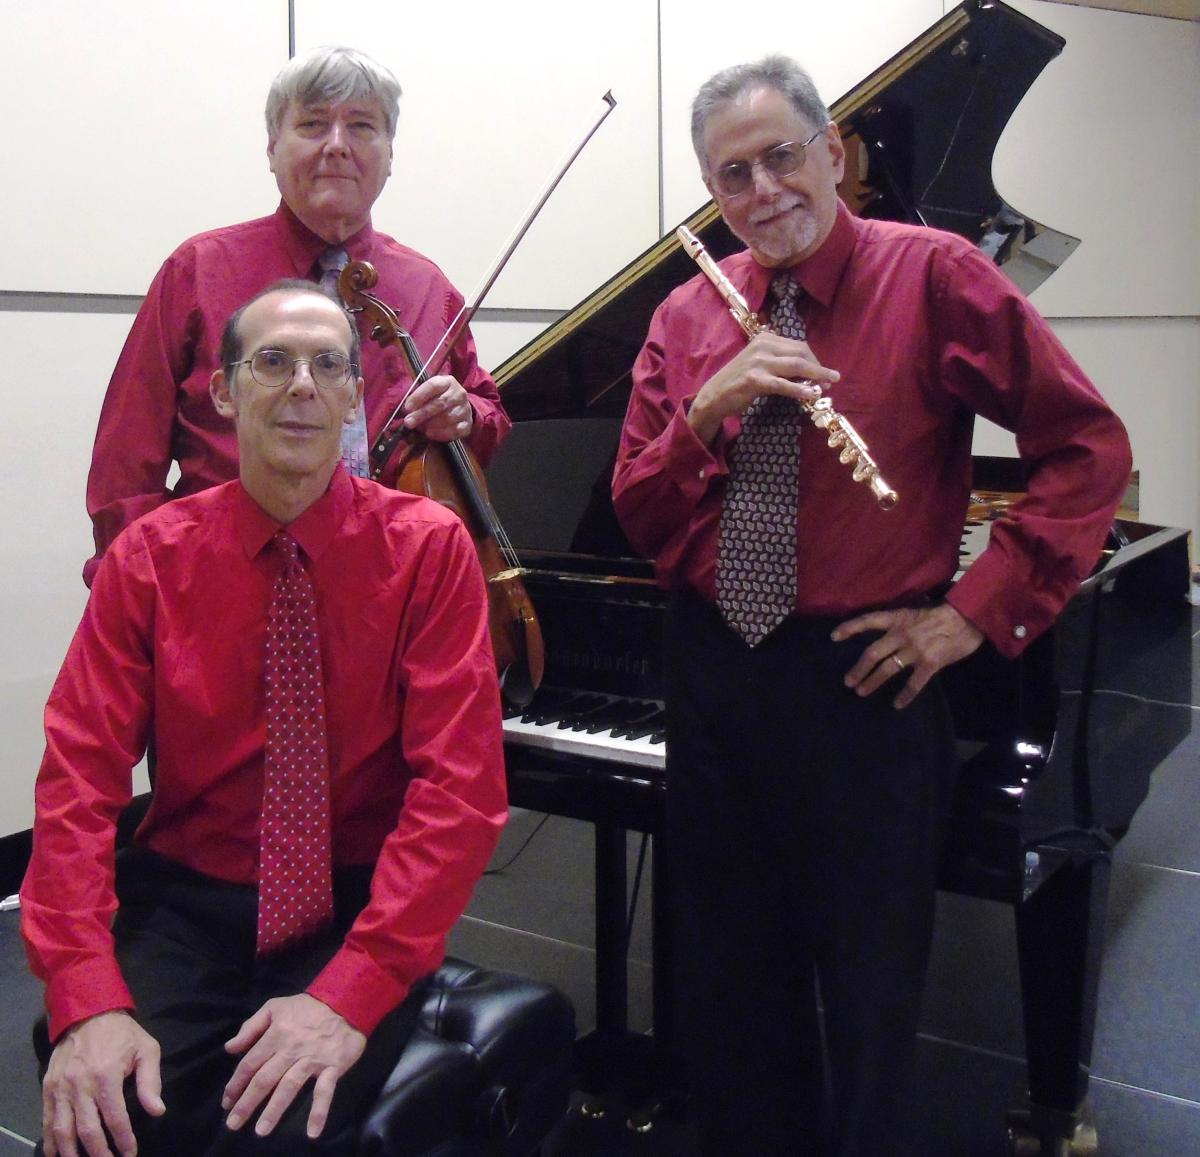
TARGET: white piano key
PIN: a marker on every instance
(550, 737)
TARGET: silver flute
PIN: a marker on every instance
(841, 435)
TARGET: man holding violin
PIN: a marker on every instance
(331, 119)
(311, 653)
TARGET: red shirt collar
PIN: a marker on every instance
(303, 246)
(314, 530)
(818, 275)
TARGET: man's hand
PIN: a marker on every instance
(925, 639)
(290, 1040)
(770, 364)
(83, 1092)
(440, 409)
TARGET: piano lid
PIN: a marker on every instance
(920, 133)
(923, 128)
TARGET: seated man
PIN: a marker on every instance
(310, 653)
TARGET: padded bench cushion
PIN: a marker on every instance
(486, 1072)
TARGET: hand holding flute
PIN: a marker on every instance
(778, 365)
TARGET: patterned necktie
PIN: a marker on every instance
(329, 268)
(295, 895)
(756, 543)
(355, 445)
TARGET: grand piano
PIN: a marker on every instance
(1056, 748)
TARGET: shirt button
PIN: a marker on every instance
(1019, 632)
(701, 472)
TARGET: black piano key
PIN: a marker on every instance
(621, 713)
(581, 707)
(596, 706)
(557, 705)
(648, 720)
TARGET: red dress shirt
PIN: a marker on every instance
(174, 636)
(926, 332)
(158, 409)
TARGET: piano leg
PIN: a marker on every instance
(612, 980)
(663, 963)
(1060, 933)
(617, 1067)
(612, 1061)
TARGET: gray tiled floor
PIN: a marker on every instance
(536, 917)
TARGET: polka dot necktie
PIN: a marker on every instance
(756, 542)
(295, 897)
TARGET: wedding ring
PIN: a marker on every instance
(898, 661)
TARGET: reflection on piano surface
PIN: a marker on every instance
(1056, 748)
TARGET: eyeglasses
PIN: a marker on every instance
(737, 177)
(274, 369)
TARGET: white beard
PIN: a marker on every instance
(784, 240)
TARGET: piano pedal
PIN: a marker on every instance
(1033, 1134)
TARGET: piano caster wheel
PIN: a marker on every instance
(1025, 1141)
(642, 1120)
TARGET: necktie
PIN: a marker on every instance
(756, 542)
(355, 447)
(329, 267)
(295, 895)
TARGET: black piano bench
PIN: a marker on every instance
(487, 1073)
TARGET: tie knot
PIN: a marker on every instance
(783, 288)
(786, 318)
(334, 258)
(287, 547)
(329, 265)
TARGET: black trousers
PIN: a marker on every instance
(802, 826)
(185, 944)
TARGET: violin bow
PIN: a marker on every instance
(386, 442)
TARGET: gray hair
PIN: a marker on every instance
(332, 75)
(778, 72)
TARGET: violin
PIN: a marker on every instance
(448, 473)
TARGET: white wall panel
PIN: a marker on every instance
(838, 46)
(55, 368)
(496, 338)
(493, 100)
(1104, 147)
(135, 124)
(1146, 368)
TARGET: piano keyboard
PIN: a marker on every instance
(621, 730)
(598, 726)
(974, 540)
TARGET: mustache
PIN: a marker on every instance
(758, 216)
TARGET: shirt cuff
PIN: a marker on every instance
(355, 987)
(84, 991)
(689, 462)
(1000, 605)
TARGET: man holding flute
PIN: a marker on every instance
(810, 750)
